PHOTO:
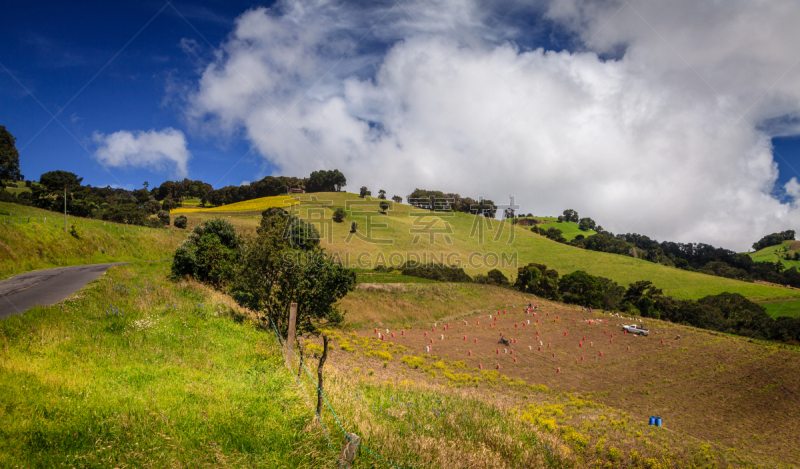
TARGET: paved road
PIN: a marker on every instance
(46, 287)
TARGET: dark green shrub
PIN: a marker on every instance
(163, 216)
(152, 207)
(582, 289)
(209, 254)
(180, 222)
(168, 204)
(353, 227)
(539, 280)
(433, 271)
(339, 215)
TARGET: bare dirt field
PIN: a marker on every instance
(715, 388)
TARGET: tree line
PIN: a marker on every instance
(318, 181)
(727, 312)
(695, 257)
(438, 200)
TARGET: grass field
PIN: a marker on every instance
(569, 230)
(33, 239)
(254, 205)
(777, 253)
(777, 308)
(19, 190)
(180, 378)
(409, 232)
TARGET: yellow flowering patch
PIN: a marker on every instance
(253, 205)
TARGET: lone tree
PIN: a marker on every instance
(276, 272)
(382, 194)
(9, 156)
(210, 253)
(384, 206)
(339, 215)
(397, 198)
(571, 215)
(364, 192)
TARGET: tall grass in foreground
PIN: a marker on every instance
(141, 372)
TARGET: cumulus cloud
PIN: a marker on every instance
(159, 150)
(656, 120)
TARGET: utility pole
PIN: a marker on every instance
(65, 209)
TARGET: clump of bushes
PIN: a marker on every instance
(339, 215)
(163, 216)
(493, 277)
(434, 271)
(180, 222)
(209, 254)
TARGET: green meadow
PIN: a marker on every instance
(479, 245)
(34, 239)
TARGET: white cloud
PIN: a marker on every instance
(667, 141)
(792, 188)
(159, 150)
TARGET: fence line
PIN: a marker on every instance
(302, 363)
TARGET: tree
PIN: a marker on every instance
(180, 222)
(210, 253)
(164, 217)
(382, 194)
(773, 239)
(151, 207)
(363, 192)
(586, 224)
(274, 275)
(339, 215)
(57, 181)
(397, 198)
(497, 277)
(582, 289)
(384, 206)
(571, 215)
(353, 227)
(538, 280)
(9, 156)
(168, 204)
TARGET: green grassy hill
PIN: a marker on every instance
(33, 239)
(406, 231)
(569, 230)
(777, 253)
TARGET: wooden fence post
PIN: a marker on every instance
(319, 374)
(349, 451)
(290, 334)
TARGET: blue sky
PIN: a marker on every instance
(72, 59)
(664, 118)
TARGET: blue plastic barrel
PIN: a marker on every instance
(652, 420)
(658, 421)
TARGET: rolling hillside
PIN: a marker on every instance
(32, 239)
(569, 230)
(478, 244)
(777, 253)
